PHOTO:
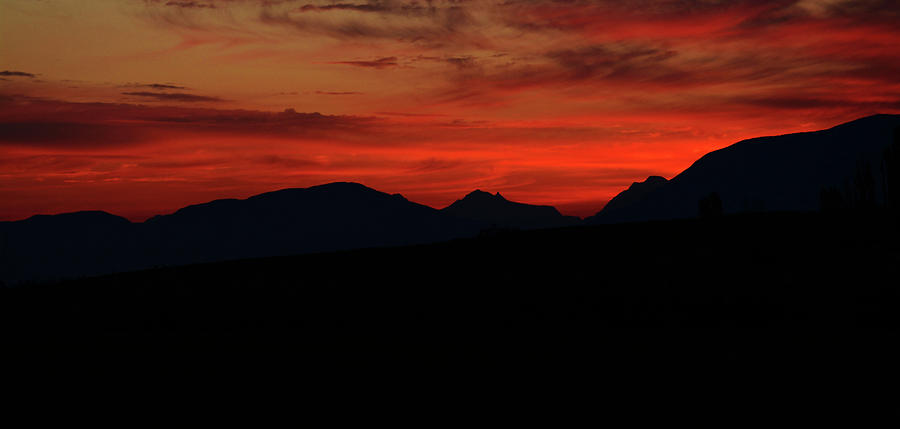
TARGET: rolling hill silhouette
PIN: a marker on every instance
(781, 173)
(324, 218)
(498, 212)
(45, 247)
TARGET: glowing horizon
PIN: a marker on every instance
(140, 107)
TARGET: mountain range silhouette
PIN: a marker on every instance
(766, 174)
(782, 173)
(325, 218)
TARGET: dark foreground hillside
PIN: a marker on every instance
(760, 285)
(745, 318)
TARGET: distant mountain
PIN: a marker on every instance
(51, 246)
(330, 217)
(781, 173)
(634, 193)
(496, 211)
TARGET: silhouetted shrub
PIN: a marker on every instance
(864, 186)
(831, 200)
(754, 205)
(710, 206)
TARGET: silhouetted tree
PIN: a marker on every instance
(890, 170)
(864, 186)
(710, 206)
(831, 200)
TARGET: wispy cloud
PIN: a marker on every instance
(40, 121)
(368, 7)
(492, 49)
(379, 63)
(16, 73)
(414, 22)
(191, 4)
(159, 86)
(173, 96)
(338, 93)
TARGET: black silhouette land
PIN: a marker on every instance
(770, 174)
(769, 248)
(498, 212)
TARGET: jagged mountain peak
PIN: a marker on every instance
(478, 194)
(496, 210)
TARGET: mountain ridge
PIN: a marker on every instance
(786, 172)
(497, 211)
(323, 218)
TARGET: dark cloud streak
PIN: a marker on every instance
(379, 63)
(70, 134)
(371, 7)
(46, 122)
(159, 86)
(338, 93)
(174, 96)
(16, 73)
(191, 5)
(438, 23)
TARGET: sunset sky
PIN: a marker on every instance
(139, 107)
